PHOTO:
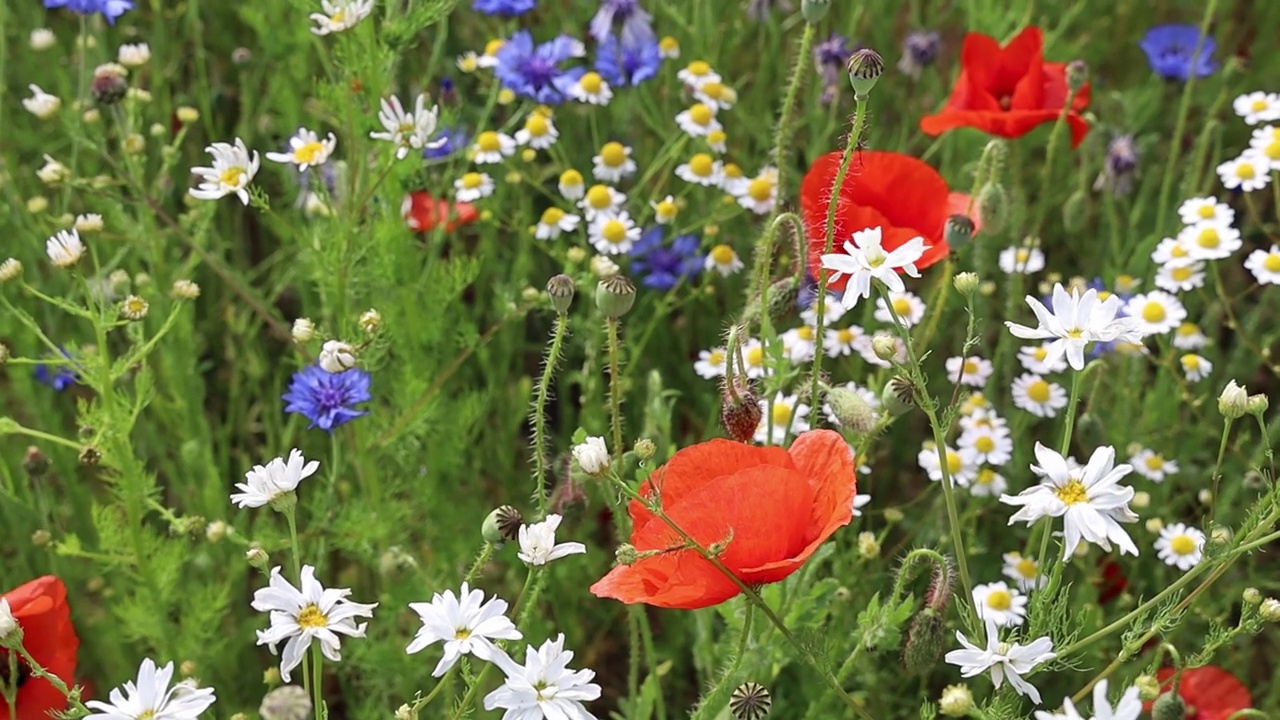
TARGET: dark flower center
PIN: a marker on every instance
(330, 398)
(539, 70)
(664, 260)
(1006, 102)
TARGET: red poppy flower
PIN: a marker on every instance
(900, 194)
(1209, 692)
(422, 212)
(1008, 91)
(41, 609)
(1112, 582)
(773, 506)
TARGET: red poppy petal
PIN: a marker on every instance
(1022, 67)
(1215, 693)
(826, 460)
(959, 203)
(980, 79)
(680, 580)
(40, 607)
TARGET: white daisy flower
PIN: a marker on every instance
(465, 623)
(982, 418)
(544, 687)
(53, 172)
(1038, 396)
(831, 312)
(1189, 337)
(972, 370)
(711, 363)
(1171, 250)
(133, 55)
(718, 140)
(733, 181)
(697, 73)
(306, 149)
(1209, 240)
(864, 258)
(1248, 172)
(232, 171)
(472, 186)
(800, 343)
(702, 169)
(844, 341)
(340, 15)
(988, 483)
(1021, 259)
(1004, 660)
(571, 185)
(962, 465)
(715, 94)
(538, 543)
(998, 603)
(613, 163)
(1129, 707)
(990, 445)
(668, 48)
(64, 248)
(1265, 265)
(1025, 571)
(1180, 277)
(753, 356)
(41, 104)
(553, 222)
(1035, 358)
(789, 418)
(1256, 107)
(1152, 465)
(613, 234)
(1090, 501)
(539, 132)
(591, 89)
(723, 259)
(761, 193)
(408, 130)
(468, 62)
(698, 121)
(300, 616)
(264, 484)
(906, 305)
(152, 698)
(1156, 312)
(1200, 209)
(665, 211)
(1077, 320)
(1180, 546)
(492, 147)
(601, 200)
(1196, 367)
(1266, 143)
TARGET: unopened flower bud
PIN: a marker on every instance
(257, 557)
(814, 10)
(216, 530)
(1148, 687)
(740, 411)
(994, 204)
(1154, 525)
(885, 347)
(187, 668)
(35, 462)
(1077, 76)
(644, 449)
(1169, 706)
(1205, 496)
(850, 409)
(560, 289)
(10, 269)
(893, 515)
(865, 68)
(287, 702)
(1233, 403)
(1258, 404)
(1141, 499)
(303, 330)
(615, 295)
(109, 84)
(187, 114)
(956, 701)
(626, 554)
(185, 290)
(575, 255)
(41, 537)
(529, 294)
(603, 267)
(898, 396)
(958, 231)
(336, 356)
(592, 456)
(501, 525)
(1251, 596)
(405, 712)
(133, 144)
(370, 321)
(924, 642)
(967, 283)
(868, 545)
(1269, 610)
(10, 630)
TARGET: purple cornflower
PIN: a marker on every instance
(109, 9)
(327, 399)
(455, 138)
(534, 71)
(918, 52)
(759, 10)
(1122, 164)
(635, 22)
(660, 266)
(830, 57)
(505, 8)
(1171, 51)
(58, 377)
(624, 64)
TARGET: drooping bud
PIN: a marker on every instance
(750, 701)
(942, 584)
(1169, 706)
(898, 396)
(1077, 75)
(782, 297)
(1233, 403)
(615, 295)
(924, 642)
(560, 289)
(850, 409)
(109, 83)
(1075, 211)
(814, 10)
(501, 525)
(956, 701)
(865, 67)
(994, 202)
(740, 411)
(958, 231)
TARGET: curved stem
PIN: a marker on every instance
(540, 413)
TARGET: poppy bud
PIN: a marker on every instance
(1077, 75)
(502, 525)
(782, 297)
(1075, 211)
(1169, 706)
(739, 410)
(923, 646)
(109, 84)
(994, 202)
(851, 409)
(942, 585)
(560, 289)
(865, 68)
(958, 231)
(615, 295)
(898, 396)
(966, 283)
(750, 701)
(35, 462)
(814, 10)
(956, 701)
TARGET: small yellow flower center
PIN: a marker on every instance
(902, 307)
(698, 67)
(713, 90)
(552, 216)
(1023, 255)
(954, 463)
(1246, 171)
(1153, 312)
(760, 190)
(701, 114)
(668, 209)
(468, 64)
(984, 444)
(1038, 391)
(135, 305)
(1207, 211)
(1182, 545)
(571, 178)
(1104, 294)
(1258, 105)
(506, 96)
(1190, 363)
(722, 254)
(1271, 262)
(716, 137)
(716, 357)
(1208, 238)
(1188, 329)
(999, 600)
(231, 176)
(614, 231)
(1027, 568)
(781, 414)
(591, 83)
(536, 125)
(488, 142)
(1073, 492)
(492, 47)
(613, 154)
(986, 476)
(311, 617)
(804, 332)
(701, 165)
(472, 181)
(732, 170)
(462, 634)
(970, 366)
(1181, 273)
(1272, 150)
(1040, 354)
(1178, 251)
(844, 336)
(1155, 462)
(309, 153)
(668, 44)
(754, 356)
(338, 17)
(599, 197)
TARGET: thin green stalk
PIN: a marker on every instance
(713, 702)
(317, 684)
(1070, 421)
(615, 391)
(540, 413)
(39, 671)
(520, 611)
(1217, 465)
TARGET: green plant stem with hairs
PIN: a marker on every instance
(712, 703)
(540, 412)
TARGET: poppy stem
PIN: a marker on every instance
(713, 702)
(540, 412)
(39, 671)
(615, 390)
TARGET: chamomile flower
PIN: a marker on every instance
(668, 48)
(306, 149)
(1266, 143)
(41, 104)
(1209, 240)
(1248, 172)
(408, 130)
(601, 200)
(232, 170)
(762, 192)
(718, 140)
(698, 121)
(1256, 107)
(1180, 277)
(723, 259)
(1038, 396)
(489, 59)
(1171, 250)
(492, 147)
(696, 73)
(1195, 367)
(591, 89)
(553, 222)
(702, 169)
(788, 415)
(1036, 359)
(1077, 320)
(265, 483)
(665, 211)
(971, 370)
(1021, 259)
(988, 483)
(1005, 661)
(962, 465)
(831, 312)
(1156, 312)
(840, 342)
(711, 363)
(64, 248)
(981, 418)
(613, 233)
(152, 697)
(715, 94)
(1180, 546)
(989, 445)
(301, 616)
(472, 186)
(1024, 570)
(1152, 465)
(801, 343)
(468, 62)
(907, 307)
(465, 623)
(753, 356)
(571, 185)
(539, 132)
(1265, 265)
(340, 15)
(863, 258)
(734, 181)
(998, 603)
(1200, 209)
(1189, 337)
(613, 163)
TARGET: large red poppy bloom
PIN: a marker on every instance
(1008, 91)
(40, 607)
(898, 193)
(422, 212)
(773, 506)
(1210, 693)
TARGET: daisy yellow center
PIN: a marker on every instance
(1181, 274)
(309, 153)
(1246, 171)
(999, 600)
(781, 414)
(231, 176)
(1208, 238)
(536, 125)
(698, 67)
(713, 90)
(493, 46)
(845, 336)
(1154, 312)
(1026, 567)
(701, 114)
(804, 332)
(701, 165)
(1272, 150)
(668, 209)
(1023, 255)
(1038, 391)
(722, 254)
(1155, 462)
(614, 231)
(986, 476)
(755, 356)
(1178, 251)
(1182, 545)
(488, 142)
(1075, 333)
(716, 357)
(472, 181)
(1206, 211)
(613, 154)
(338, 17)
(1188, 329)
(760, 189)
(1040, 354)
(1073, 492)
(310, 617)
(717, 137)
(970, 367)
(1271, 262)
(552, 216)
(599, 197)
(984, 444)
(468, 64)
(1104, 294)
(1190, 363)
(732, 170)
(1258, 105)
(135, 305)
(668, 44)
(954, 463)
(591, 83)
(462, 633)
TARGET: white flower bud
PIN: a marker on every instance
(1269, 610)
(42, 39)
(89, 222)
(956, 701)
(370, 321)
(592, 456)
(134, 55)
(10, 269)
(53, 172)
(1233, 403)
(303, 330)
(10, 631)
(337, 356)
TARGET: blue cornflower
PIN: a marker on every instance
(661, 266)
(58, 377)
(327, 399)
(636, 23)
(455, 138)
(534, 71)
(830, 57)
(1171, 51)
(918, 52)
(623, 64)
(506, 8)
(759, 10)
(110, 9)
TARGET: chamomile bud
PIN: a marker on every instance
(1269, 610)
(303, 330)
(967, 283)
(956, 701)
(1258, 404)
(1233, 403)
(10, 270)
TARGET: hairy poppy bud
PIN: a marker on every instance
(865, 68)
(994, 202)
(1077, 75)
(109, 84)
(924, 643)
(739, 410)
(851, 410)
(615, 295)
(560, 289)
(782, 298)
(1169, 706)
(958, 231)
(814, 10)
(502, 525)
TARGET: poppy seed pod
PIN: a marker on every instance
(750, 701)
(615, 295)
(501, 525)
(958, 231)
(814, 10)
(865, 67)
(560, 289)
(898, 396)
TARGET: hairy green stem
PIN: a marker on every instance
(712, 703)
(540, 413)
(615, 389)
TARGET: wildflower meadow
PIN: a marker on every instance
(639, 359)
